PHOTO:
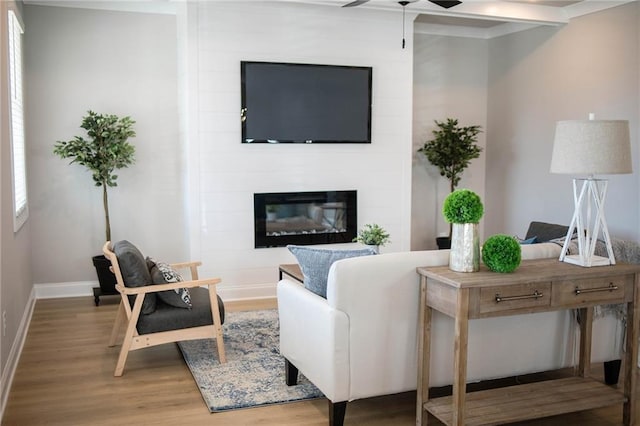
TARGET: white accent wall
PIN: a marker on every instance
(224, 174)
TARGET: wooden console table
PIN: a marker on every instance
(536, 286)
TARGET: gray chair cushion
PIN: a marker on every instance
(167, 317)
(135, 273)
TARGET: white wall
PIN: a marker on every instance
(110, 62)
(449, 81)
(224, 174)
(15, 247)
(191, 189)
(543, 75)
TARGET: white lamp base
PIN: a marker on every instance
(594, 261)
(589, 201)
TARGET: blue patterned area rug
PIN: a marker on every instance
(254, 372)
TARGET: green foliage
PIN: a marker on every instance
(104, 150)
(502, 253)
(452, 149)
(372, 235)
(463, 206)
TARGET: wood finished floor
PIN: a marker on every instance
(65, 377)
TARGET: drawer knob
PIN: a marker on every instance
(610, 287)
(536, 295)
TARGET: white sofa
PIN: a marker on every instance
(360, 341)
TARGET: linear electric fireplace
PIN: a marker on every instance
(304, 218)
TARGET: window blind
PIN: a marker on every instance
(17, 122)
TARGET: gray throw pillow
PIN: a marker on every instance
(546, 231)
(135, 273)
(315, 264)
(162, 273)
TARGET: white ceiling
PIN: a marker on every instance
(488, 19)
(472, 18)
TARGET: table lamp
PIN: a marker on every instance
(590, 147)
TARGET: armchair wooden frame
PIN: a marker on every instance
(133, 340)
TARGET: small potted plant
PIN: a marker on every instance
(272, 211)
(372, 235)
(501, 253)
(451, 150)
(105, 150)
(463, 209)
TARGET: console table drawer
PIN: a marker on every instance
(520, 296)
(595, 290)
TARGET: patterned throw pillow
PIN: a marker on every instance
(162, 273)
(315, 264)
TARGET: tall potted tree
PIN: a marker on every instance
(451, 150)
(105, 150)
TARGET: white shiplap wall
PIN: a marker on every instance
(224, 174)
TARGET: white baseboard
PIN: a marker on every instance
(69, 289)
(16, 350)
(85, 288)
(245, 292)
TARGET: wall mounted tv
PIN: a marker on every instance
(304, 103)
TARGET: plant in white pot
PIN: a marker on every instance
(451, 150)
(463, 209)
(372, 235)
(105, 150)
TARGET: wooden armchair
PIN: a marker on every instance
(150, 322)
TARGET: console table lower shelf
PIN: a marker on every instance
(530, 401)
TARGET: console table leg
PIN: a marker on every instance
(424, 356)
(460, 357)
(586, 331)
(631, 359)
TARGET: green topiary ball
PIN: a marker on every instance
(463, 206)
(501, 253)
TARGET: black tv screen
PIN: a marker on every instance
(304, 103)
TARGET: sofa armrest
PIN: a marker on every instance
(314, 338)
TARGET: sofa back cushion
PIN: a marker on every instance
(380, 296)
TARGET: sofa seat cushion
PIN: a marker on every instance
(135, 272)
(167, 317)
(315, 264)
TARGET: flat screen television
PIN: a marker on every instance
(305, 103)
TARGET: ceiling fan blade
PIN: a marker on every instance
(355, 3)
(446, 3)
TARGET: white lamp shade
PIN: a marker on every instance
(591, 147)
